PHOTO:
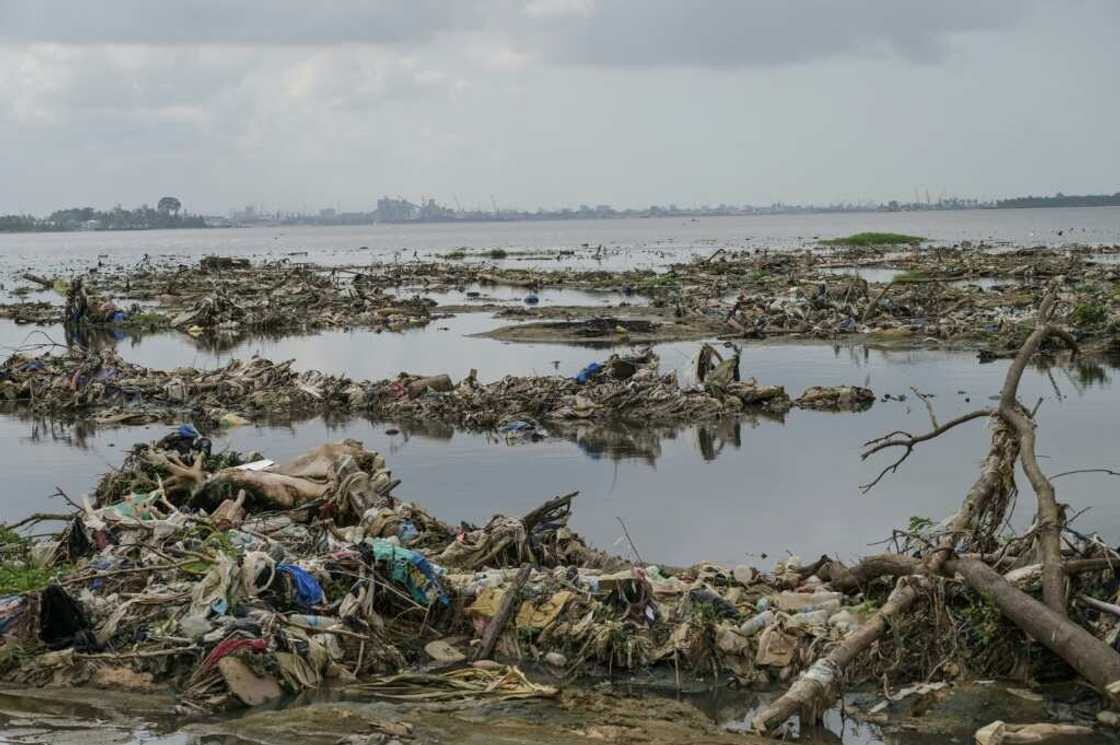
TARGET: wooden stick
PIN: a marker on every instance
(505, 610)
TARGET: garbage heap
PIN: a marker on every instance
(223, 297)
(234, 580)
(103, 387)
(299, 302)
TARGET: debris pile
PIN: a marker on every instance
(226, 296)
(103, 387)
(966, 295)
(235, 581)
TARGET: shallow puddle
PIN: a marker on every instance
(477, 293)
(985, 283)
(445, 345)
(874, 274)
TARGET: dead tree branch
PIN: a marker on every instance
(1015, 414)
(906, 440)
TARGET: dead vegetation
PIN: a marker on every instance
(102, 387)
(962, 296)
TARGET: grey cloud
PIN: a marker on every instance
(627, 33)
(230, 21)
(717, 33)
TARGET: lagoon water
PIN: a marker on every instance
(627, 242)
(730, 492)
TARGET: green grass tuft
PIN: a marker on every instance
(1089, 314)
(874, 239)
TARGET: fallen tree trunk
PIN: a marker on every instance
(848, 579)
(1089, 656)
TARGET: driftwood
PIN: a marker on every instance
(43, 282)
(1089, 656)
(554, 510)
(505, 610)
(1050, 520)
(851, 579)
(980, 514)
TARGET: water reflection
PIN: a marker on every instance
(719, 491)
(446, 345)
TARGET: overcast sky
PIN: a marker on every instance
(298, 105)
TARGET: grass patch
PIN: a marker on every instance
(497, 253)
(456, 255)
(147, 319)
(16, 573)
(661, 281)
(1089, 314)
(911, 276)
(874, 239)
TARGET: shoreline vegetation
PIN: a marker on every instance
(166, 215)
(874, 239)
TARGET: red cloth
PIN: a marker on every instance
(229, 646)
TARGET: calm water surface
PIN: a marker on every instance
(726, 492)
(640, 243)
(729, 492)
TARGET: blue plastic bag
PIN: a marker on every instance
(308, 591)
(586, 373)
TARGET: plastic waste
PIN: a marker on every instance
(308, 591)
(195, 627)
(315, 622)
(829, 604)
(757, 623)
(407, 532)
(586, 373)
(809, 618)
(794, 601)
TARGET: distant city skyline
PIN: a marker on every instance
(170, 213)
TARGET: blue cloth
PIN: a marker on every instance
(412, 570)
(308, 591)
(407, 532)
(188, 430)
(586, 373)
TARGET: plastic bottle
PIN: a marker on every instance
(752, 626)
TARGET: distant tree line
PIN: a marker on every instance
(165, 215)
(1062, 200)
